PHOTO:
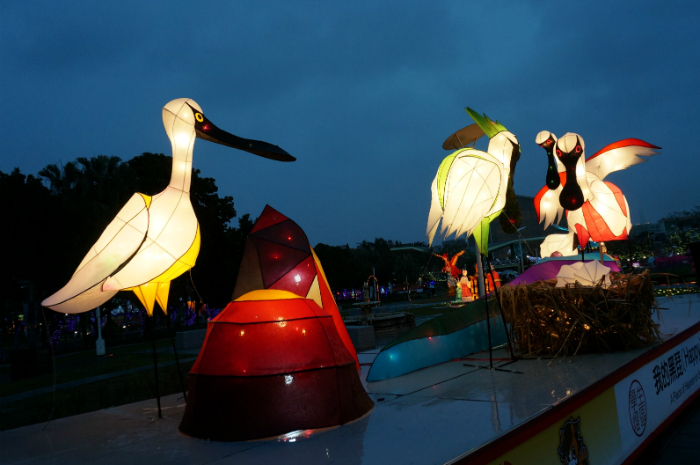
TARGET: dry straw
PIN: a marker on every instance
(547, 320)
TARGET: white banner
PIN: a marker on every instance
(651, 394)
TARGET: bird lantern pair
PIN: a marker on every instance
(153, 239)
(595, 209)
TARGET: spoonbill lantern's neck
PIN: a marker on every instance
(179, 122)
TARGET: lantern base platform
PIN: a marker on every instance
(614, 403)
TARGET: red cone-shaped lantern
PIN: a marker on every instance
(272, 363)
(278, 255)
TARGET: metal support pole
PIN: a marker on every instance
(488, 328)
(155, 362)
(177, 361)
(482, 293)
(520, 245)
(99, 343)
(480, 270)
(503, 317)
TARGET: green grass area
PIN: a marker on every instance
(93, 396)
(86, 365)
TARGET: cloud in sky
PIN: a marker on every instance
(362, 93)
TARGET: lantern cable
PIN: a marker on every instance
(195, 287)
(520, 234)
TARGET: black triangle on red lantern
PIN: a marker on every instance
(299, 279)
(286, 233)
(276, 260)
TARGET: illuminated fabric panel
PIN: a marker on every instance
(299, 279)
(268, 306)
(268, 217)
(120, 240)
(249, 273)
(330, 306)
(598, 228)
(234, 349)
(276, 260)
(287, 233)
(619, 156)
(271, 366)
(619, 197)
(262, 337)
(582, 235)
(290, 271)
(315, 292)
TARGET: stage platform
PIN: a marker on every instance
(605, 408)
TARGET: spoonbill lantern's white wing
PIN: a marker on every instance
(119, 242)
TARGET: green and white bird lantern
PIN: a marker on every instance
(469, 189)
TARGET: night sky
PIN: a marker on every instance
(362, 93)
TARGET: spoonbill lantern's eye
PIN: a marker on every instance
(549, 142)
(199, 117)
(578, 149)
(559, 153)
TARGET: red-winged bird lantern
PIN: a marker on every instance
(272, 363)
(595, 209)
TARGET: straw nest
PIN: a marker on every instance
(548, 320)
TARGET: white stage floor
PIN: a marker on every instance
(431, 416)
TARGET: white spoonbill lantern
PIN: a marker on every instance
(153, 239)
(595, 209)
(469, 189)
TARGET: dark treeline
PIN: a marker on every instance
(50, 221)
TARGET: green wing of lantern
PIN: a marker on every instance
(464, 193)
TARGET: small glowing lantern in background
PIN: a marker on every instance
(272, 363)
(153, 239)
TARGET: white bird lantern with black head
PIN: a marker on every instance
(153, 239)
(595, 209)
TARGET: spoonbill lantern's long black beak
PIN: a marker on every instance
(207, 130)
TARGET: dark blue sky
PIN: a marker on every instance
(362, 93)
